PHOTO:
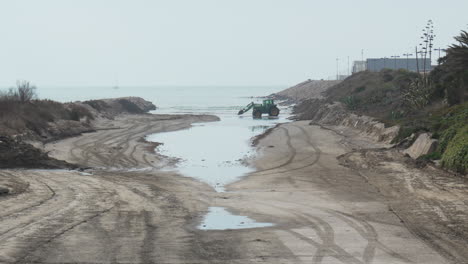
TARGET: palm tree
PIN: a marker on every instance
(457, 54)
(452, 75)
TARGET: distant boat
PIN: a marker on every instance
(115, 87)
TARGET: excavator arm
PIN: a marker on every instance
(245, 109)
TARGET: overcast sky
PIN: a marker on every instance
(208, 42)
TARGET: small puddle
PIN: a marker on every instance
(219, 218)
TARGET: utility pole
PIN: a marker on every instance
(439, 50)
(394, 61)
(417, 60)
(337, 60)
(407, 60)
(348, 67)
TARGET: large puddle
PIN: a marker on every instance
(214, 152)
(219, 218)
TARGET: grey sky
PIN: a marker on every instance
(208, 42)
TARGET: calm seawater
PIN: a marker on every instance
(168, 99)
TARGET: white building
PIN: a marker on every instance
(359, 66)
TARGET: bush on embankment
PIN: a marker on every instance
(21, 112)
(378, 93)
(450, 127)
(456, 154)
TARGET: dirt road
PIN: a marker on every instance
(131, 211)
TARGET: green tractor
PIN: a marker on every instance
(268, 107)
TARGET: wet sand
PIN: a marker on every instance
(132, 211)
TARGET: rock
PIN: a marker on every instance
(423, 145)
(4, 191)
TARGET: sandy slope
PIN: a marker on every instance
(323, 212)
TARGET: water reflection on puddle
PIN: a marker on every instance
(219, 218)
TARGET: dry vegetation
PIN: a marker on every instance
(21, 111)
(23, 114)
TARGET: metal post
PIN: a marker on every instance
(394, 61)
(417, 61)
(337, 68)
(407, 60)
(439, 49)
(348, 67)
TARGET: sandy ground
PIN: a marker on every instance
(131, 211)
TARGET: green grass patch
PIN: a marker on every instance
(431, 156)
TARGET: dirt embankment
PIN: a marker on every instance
(24, 124)
(336, 114)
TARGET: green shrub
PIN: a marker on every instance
(431, 156)
(398, 114)
(360, 89)
(351, 102)
(445, 138)
(455, 156)
(403, 133)
(387, 76)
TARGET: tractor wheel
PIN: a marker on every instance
(257, 114)
(274, 111)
